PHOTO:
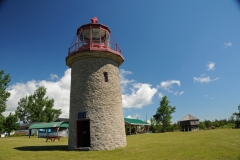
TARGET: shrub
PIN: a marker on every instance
(19, 134)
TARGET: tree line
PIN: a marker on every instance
(33, 108)
(161, 121)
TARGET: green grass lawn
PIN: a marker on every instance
(209, 144)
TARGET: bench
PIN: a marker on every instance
(52, 138)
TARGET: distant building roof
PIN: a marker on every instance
(135, 121)
(61, 119)
(49, 125)
(25, 126)
(189, 117)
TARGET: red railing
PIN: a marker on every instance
(94, 44)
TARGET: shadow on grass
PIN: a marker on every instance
(43, 148)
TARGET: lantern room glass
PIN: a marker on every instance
(95, 36)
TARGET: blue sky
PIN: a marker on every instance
(186, 50)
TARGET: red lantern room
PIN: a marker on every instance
(94, 37)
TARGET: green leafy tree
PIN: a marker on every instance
(158, 126)
(207, 123)
(152, 126)
(216, 123)
(170, 128)
(176, 126)
(202, 125)
(37, 108)
(222, 122)
(11, 123)
(237, 117)
(231, 119)
(2, 120)
(4, 94)
(23, 110)
(163, 114)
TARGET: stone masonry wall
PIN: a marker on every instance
(102, 102)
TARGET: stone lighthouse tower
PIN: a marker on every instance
(96, 116)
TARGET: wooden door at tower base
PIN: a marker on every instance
(83, 133)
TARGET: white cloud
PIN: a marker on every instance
(53, 76)
(175, 93)
(206, 96)
(210, 66)
(202, 79)
(136, 116)
(178, 93)
(166, 85)
(58, 90)
(227, 44)
(160, 95)
(124, 81)
(141, 95)
(182, 92)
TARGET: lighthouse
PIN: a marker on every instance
(96, 116)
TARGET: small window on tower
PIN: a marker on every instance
(105, 76)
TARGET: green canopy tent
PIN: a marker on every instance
(50, 125)
(129, 122)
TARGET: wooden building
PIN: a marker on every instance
(189, 123)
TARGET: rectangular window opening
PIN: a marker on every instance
(105, 76)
